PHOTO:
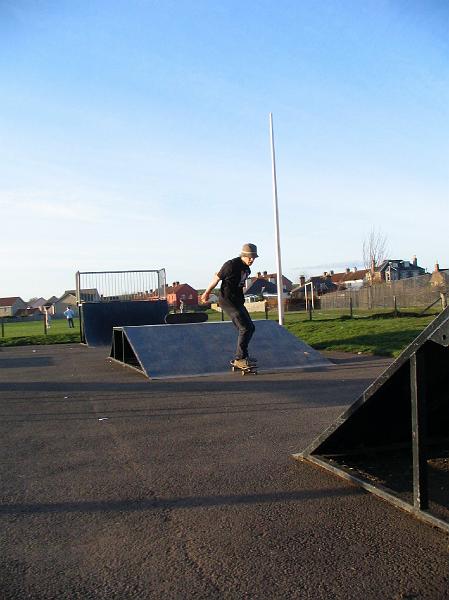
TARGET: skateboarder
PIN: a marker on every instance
(233, 275)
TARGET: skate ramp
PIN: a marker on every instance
(394, 439)
(99, 318)
(195, 349)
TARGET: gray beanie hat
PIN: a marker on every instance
(249, 250)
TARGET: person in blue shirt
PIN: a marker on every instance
(69, 314)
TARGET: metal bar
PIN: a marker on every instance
(418, 400)
(107, 272)
(78, 286)
(379, 491)
(276, 224)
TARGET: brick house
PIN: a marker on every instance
(181, 291)
(37, 305)
(9, 307)
(440, 278)
(393, 270)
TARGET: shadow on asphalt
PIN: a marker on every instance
(174, 503)
(20, 362)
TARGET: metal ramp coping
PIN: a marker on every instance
(395, 436)
(198, 349)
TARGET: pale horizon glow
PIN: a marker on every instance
(135, 136)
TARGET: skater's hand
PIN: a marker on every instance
(204, 297)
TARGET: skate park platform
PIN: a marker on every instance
(196, 349)
(97, 319)
(116, 487)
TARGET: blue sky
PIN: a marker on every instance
(134, 135)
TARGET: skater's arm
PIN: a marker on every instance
(213, 284)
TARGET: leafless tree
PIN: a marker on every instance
(374, 249)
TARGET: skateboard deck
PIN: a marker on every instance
(189, 317)
(252, 370)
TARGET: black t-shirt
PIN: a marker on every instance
(233, 275)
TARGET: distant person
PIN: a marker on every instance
(69, 314)
(233, 275)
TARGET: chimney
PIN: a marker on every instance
(332, 273)
(302, 280)
(414, 261)
(437, 267)
(259, 274)
(174, 283)
(348, 270)
(265, 273)
(325, 274)
(355, 269)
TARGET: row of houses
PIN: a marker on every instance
(389, 270)
(262, 284)
(14, 306)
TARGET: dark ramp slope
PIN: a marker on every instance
(99, 318)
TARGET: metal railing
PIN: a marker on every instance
(109, 286)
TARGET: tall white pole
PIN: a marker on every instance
(276, 223)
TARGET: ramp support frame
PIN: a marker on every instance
(411, 400)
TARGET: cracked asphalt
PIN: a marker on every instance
(114, 486)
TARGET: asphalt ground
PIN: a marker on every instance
(114, 486)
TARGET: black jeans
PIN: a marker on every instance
(242, 321)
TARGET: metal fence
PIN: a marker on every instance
(108, 286)
(405, 293)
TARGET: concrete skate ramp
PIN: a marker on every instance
(99, 318)
(165, 351)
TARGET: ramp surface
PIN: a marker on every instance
(163, 351)
(99, 318)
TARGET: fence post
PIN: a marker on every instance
(443, 297)
(45, 323)
(222, 314)
(266, 310)
(310, 311)
(350, 306)
(395, 304)
(3, 327)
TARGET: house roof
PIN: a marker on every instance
(37, 303)
(261, 284)
(10, 301)
(174, 289)
(400, 265)
(86, 294)
(320, 285)
(351, 276)
(266, 276)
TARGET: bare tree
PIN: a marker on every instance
(374, 249)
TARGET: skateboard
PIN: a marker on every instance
(188, 317)
(251, 370)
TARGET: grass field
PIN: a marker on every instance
(24, 333)
(379, 334)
